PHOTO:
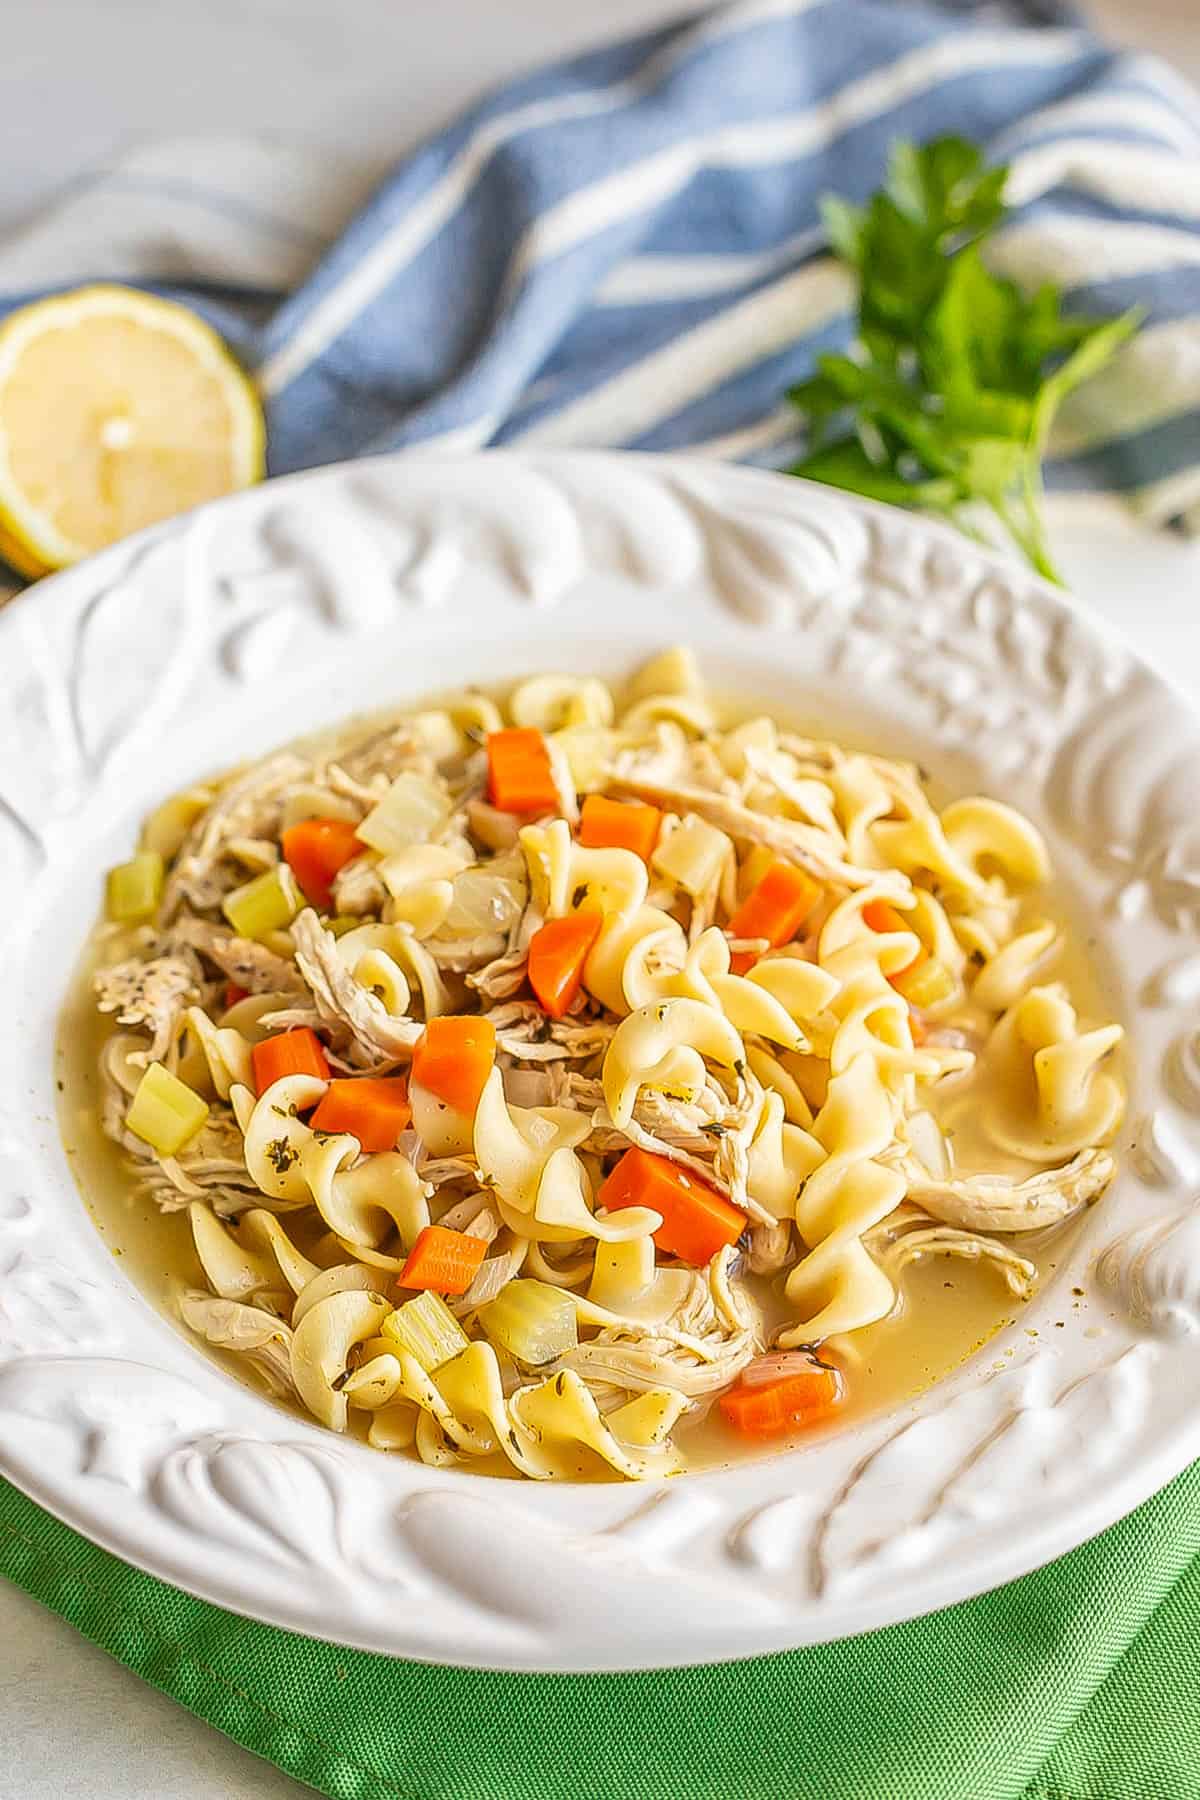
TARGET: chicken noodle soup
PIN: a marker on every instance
(529, 1085)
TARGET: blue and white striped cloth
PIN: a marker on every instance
(625, 249)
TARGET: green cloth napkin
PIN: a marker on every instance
(1080, 1682)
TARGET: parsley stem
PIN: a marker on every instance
(1030, 539)
(946, 398)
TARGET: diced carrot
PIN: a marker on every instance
(314, 850)
(557, 953)
(786, 1402)
(606, 824)
(372, 1108)
(775, 908)
(446, 1261)
(453, 1059)
(234, 993)
(520, 779)
(696, 1220)
(297, 1052)
(881, 915)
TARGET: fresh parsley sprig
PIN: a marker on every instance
(946, 399)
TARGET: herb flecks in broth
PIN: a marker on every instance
(570, 1089)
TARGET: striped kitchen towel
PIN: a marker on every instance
(626, 249)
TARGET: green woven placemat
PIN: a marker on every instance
(1081, 1682)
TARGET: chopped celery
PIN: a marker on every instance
(263, 905)
(427, 1329)
(413, 811)
(134, 889)
(691, 856)
(341, 923)
(532, 1321)
(170, 823)
(926, 983)
(165, 1112)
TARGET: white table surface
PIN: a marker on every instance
(80, 79)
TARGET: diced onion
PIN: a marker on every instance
(309, 801)
(439, 734)
(692, 855)
(485, 901)
(413, 811)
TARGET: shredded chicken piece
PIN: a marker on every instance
(765, 769)
(152, 996)
(524, 1032)
(291, 1018)
(494, 829)
(732, 1159)
(703, 1135)
(438, 1171)
(248, 806)
(770, 1247)
(701, 1346)
(366, 794)
(474, 1216)
(114, 1104)
(380, 756)
(212, 1163)
(604, 1138)
(910, 1233)
(465, 956)
(251, 965)
(1000, 1202)
(504, 974)
(803, 844)
(693, 1125)
(253, 1332)
(225, 1200)
(357, 888)
(343, 1003)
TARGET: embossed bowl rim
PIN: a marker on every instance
(203, 641)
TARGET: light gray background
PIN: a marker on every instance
(79, 79)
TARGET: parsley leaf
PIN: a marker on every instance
(947, 399)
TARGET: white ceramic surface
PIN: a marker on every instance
(213, 637)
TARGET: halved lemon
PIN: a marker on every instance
(116, 409)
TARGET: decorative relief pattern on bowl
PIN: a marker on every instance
(180, 1469)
